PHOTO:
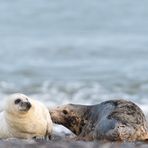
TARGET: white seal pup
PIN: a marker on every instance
(24, 118)
(113, 120)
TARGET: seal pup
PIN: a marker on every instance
(24, 118)
(113, 120)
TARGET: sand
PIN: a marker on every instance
(18, 143)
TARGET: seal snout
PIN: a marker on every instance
(56, 115)
(53, 114)
(26, 104)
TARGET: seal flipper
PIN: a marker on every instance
(103, 127)
(121, 133)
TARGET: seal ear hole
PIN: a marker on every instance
(65, 112)
(17, 101)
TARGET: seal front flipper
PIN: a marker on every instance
(121, 133)
(104, 129)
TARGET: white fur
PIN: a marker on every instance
(35, 122)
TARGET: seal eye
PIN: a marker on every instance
(17, 101)
(65, 112)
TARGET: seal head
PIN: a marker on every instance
(71, 116)
(18, 103)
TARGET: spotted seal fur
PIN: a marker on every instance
(113, 120)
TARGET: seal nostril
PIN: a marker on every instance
(65, 112)
(28, 104)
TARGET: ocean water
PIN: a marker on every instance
(65, 51)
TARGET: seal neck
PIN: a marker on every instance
(79, 119)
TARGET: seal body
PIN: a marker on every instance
(114, 120)
(25, 118)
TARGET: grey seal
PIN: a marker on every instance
(25, 118)
(113, 120)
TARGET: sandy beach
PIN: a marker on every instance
(15, 143)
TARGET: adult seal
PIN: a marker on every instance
(24, 118)
(113, 120)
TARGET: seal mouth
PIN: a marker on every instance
(24, 106)
(53, 117)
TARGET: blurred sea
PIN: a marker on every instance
(65, 51)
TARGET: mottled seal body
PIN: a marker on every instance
(24, 118)
(114, 120)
